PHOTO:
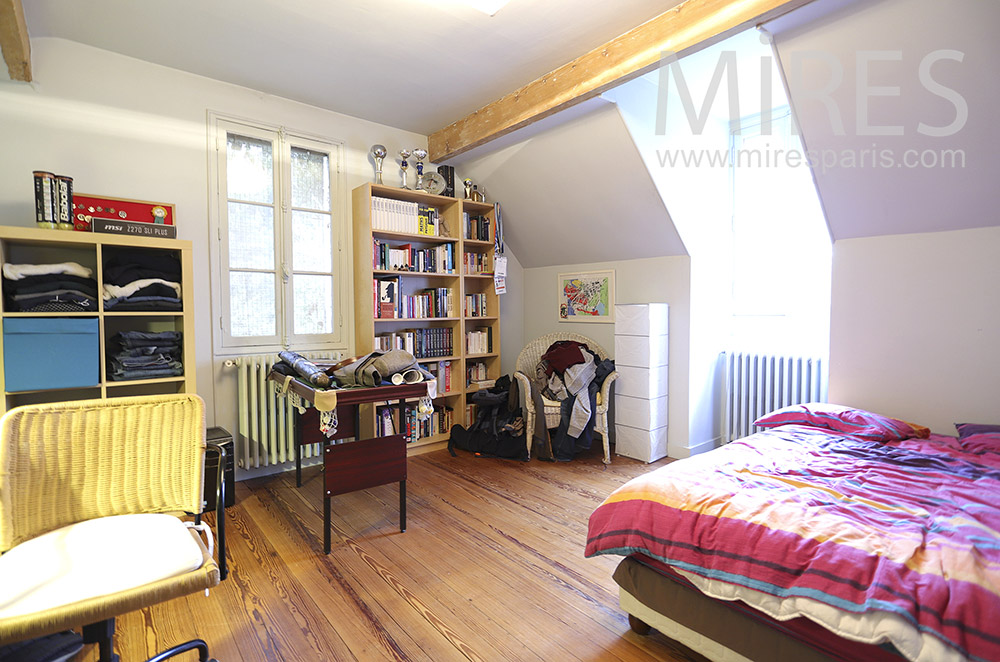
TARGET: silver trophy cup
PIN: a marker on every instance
(378, 153)
(420, 154)
(403, 165)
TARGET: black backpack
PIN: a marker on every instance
(498, 430)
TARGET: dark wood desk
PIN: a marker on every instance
(353, 465)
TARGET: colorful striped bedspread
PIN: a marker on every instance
(894, 541)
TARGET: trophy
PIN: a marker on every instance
(403, 165)
(420, 154)
(378, 153)
(468, 188)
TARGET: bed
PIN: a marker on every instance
(835, 533)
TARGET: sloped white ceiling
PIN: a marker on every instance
(882, 195)
(577, 191)
(412, 64)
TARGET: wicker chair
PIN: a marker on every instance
(89, 493)
(528, 359)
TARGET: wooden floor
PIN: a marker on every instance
(490, 568)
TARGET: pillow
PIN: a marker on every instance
(966, 429)
(856, 422)
(983, 441)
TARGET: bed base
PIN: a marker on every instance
(642, 619)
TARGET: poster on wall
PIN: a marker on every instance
(587, 297)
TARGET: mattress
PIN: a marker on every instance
(723, 630)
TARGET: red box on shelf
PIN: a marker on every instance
(123, 216)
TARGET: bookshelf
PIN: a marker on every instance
(423, 278)
(55, 336)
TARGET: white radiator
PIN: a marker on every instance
(757, 384)
(266, 431)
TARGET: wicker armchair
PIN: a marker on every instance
(528, 359)
(90, 492)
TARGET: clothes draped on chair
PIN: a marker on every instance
(572, 374)
(542, 413)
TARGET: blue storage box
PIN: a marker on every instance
(50, 352)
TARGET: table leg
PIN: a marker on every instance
(402, 506)
(326, 524)
(297, 442)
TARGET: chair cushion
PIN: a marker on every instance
(94, 558)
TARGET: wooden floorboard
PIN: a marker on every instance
(490, 568)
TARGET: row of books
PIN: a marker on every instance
(411, 427)
(407, 217)
(436, 260)
(475, 305)
(441, 370)
(422, 343)
(475, 371)
(479, 341)
(476, 227)
(477, 263)
(390, 303)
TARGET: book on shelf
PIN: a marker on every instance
(422, 343)
(479, 341)
(405, 217)
(442, 370)
(475, 305)
(476, 227)
(427, 220)
(477, 263)
(475, 372)
(411, 426)
(408, 258)
(387, 297)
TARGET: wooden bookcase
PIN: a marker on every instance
(22, 245)
(452, 233)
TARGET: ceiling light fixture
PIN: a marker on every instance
(490, 7)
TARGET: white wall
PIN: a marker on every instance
(660, 279)
(700, 207)
(511, 315)
(915, 330)
(125, 128)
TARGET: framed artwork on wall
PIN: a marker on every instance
(587, 296)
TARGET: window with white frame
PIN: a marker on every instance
(781, 245)
(281, 279)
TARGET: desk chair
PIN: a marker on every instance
(90, 497)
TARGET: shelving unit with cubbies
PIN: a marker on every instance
(90, 360)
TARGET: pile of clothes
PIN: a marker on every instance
(146, 355)
(66, 287)
(142, 280)
(572, 374)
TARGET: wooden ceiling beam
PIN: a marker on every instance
(14, 41)
(689, 27)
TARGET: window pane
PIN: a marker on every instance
(251, 236)
(249, 169)
(310, 179)
(313, 304)
(251, 304)
(311, 247)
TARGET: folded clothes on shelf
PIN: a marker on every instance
(142, 281)
(64, 287)
(146, 355)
